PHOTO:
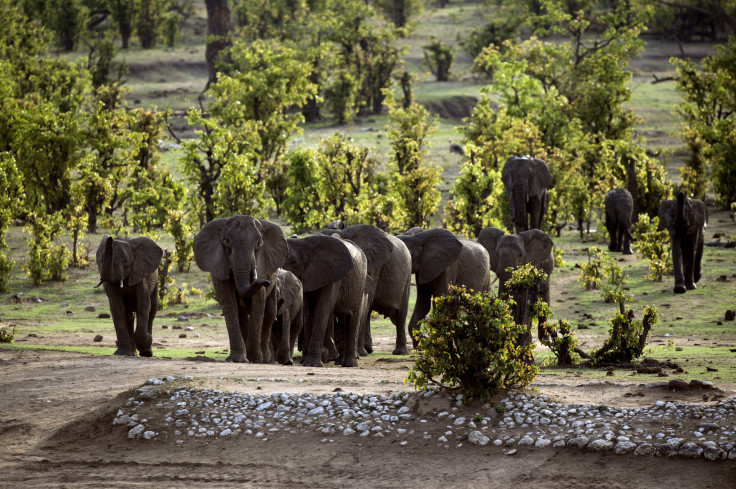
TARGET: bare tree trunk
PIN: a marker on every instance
(218, 34)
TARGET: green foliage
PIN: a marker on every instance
(709, 112)
(182, 234)
(557, 253)
(150, 21)
(170, 27)
(46, 261)
(593, 271)
(68, 19)
(414, 181)
(7, 335)
(627, 337)
(654, 244)
(123, 13)
(561, 340)
(76, 221)
(469, 344)
(11, 202)
(165, 280)
(437, 57)
(493, 33)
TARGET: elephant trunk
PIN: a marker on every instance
(519, 200)
(107, 270)
(680, 218)
(248, 284)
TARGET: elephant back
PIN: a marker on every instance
(318, 260)
(472, 268)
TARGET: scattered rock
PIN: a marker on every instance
(103, 315)
(478, 438)
(90, 309)
(730, 315)
(678, 385)
(183, 335)
(182, 318)
(97, 338)
(690, 450)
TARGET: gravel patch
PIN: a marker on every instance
(670, 429)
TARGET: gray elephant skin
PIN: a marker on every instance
(243, 254)
(526, 181)
(619, 207)
(438, 259)
(389, 268)
(288, 324)
(129, 272)
(685, 219)
(513, 250)
(333, 273)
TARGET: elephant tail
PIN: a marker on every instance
(98, 284)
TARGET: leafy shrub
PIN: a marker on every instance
(627, 337)
(654, 244)
(592, 272)
(561, 340)
(438, 58)
(46, 260)
(6, 266)
(7, 335)
(165, 281)
(181, 232)
(470, 344)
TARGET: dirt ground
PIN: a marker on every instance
(56, 412)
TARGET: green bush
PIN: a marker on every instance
(561, 340)
(654, 244)
(627, 337)
(438, 58)
(470, 344)
(7, 335)
(165, 280)
(181, 232)
(592, 272)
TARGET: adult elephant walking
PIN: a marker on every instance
(619, 207)
(685, 219)
(438, 259)
(333, 273)
(129, 272)
(513, 250)
(389, 267)
(243, 254)
(526, 180)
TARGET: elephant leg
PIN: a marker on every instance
(364, 332)
(612, 233)
(542, 320)
(421, 309)
(535, 213)
(698, 257)
(398, 317)
(322, 316)
(225, 291)
(142, 333)
(282, 346)
(626, 239)
(120, 320)
(677, 253)
(333, 344)
(269, 316)
(688, 261)
(294, 332)
(352, 324)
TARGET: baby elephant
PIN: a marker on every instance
(619, 209)
(129, 271)
(289, 320)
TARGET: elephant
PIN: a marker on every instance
(243, 254)
(512, 250)
(619, 206)
(389, 267)
(129, 271)
(685, 219)
(438, 259)
(333, 273)
(288, 324)
(526, 180)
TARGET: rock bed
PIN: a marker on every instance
(520, 420)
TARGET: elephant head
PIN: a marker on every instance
(374, 242)
(242, 248)
(512, 250)
(318, 261)
(526, 180)
(125, 261)
(432, 252)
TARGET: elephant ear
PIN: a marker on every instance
(374, 243)
(440, 249)
(208, 251)
(541, 179)
(666, 213)
(329, 261)
(146, 258)
(508, 170)
(488, 238)
(275, 249)
(99, 256)
(538, 248)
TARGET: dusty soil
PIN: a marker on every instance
(56, 412)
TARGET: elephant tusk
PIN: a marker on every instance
(494, 280)
(121, 283)
(255, 273)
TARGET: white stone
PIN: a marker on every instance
(478, 438)
(136, 431)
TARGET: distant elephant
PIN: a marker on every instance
(242, 254)
(288, 324)
(526, 180)
(619, 210)
(129, 271)
(333, 273)
(512, 250)
(685, 219)
(389, 267)
(438, 259)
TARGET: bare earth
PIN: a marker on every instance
(56, 412)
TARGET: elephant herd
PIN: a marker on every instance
(317, 293)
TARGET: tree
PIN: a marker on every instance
(68, 19)
(414, 181)
(709, 112)
(11, 203)
(124, 13)
(218, 35)
(438, 58)
(149, 22)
